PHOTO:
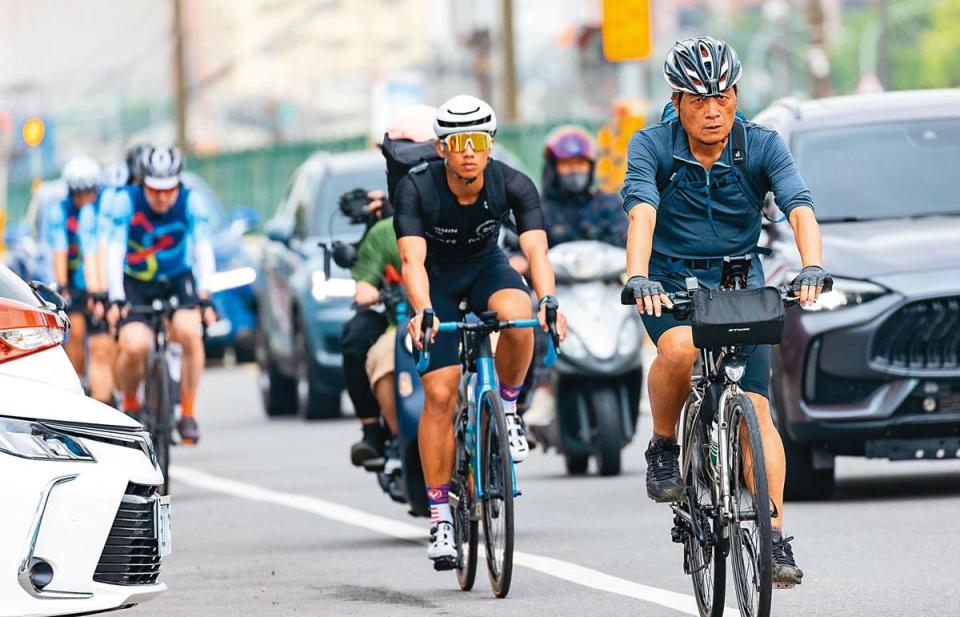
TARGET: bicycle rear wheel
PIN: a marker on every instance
(705, 558)
(497, 477)
(465, 528)
(750, 541)
(158, 410)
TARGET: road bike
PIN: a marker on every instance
(484, 482)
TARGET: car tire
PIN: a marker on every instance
(278, 391)
(313, 403)
(804, 482)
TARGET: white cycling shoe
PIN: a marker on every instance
(517, 436)
(442, 550)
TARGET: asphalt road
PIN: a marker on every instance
(270, 519)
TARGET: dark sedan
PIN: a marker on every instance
(874, 369)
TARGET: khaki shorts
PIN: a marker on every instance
(380, 358)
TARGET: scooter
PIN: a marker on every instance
(600, 373)
(399, 474)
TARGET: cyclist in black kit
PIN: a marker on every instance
(447, 218)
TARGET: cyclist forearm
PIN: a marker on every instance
(807, 233)
(204, 266)
(533, 243)
(643, 219)
(60, 268)
(115, 257)
(413, 253)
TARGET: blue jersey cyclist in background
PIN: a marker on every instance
(160, 245)
(71, 234)
(694, 190)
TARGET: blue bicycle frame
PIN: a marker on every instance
(486, 381)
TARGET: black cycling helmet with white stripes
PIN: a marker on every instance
(463, 114)
(704, 66)
(161, 168)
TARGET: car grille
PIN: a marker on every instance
(921, 335)
(832, 390)
(131, 555)
(932, 397)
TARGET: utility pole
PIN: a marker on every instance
(509, 62)
(181, 95)
(817, 59)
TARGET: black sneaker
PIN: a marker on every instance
(189, 431)
(370, 447)
(786, 574)
(663, 471)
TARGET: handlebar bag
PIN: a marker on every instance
(737, 317)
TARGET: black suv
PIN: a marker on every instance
(874, 369)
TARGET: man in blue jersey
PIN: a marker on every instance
(160, 246)
(70, 233)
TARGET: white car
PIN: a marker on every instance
(82, 528)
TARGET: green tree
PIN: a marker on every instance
(940, 46)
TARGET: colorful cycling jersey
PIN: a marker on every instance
(158, 246)
(73, 229)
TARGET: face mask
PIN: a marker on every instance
(576, 182)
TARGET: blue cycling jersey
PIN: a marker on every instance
(158, 246)
(706, 214)
(72, 229)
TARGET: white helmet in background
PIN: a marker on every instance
(115, 174)
(413, 123)
(464, 113)
(81, 173)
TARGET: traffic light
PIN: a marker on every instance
(627, 34)
(33, 131)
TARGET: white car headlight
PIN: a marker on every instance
(333, 288)
(32, 440)
(845, 293)
(629, 337)
(230, 279)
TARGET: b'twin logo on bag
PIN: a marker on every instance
(738, 329)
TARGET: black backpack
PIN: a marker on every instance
(425, 177)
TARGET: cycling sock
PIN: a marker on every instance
(509, 396)
(187, 399)
(439, 504)
(777, 533)
(657, 437)
(130, 402)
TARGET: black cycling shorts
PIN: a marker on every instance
(672, 273)
(143, 293)
(78, 305)
(474, 280)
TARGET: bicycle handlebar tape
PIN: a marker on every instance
(427, 332)
(553, 342)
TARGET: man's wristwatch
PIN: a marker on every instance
(549, 301)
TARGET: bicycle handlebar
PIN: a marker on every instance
(485, 327)
(683, 300)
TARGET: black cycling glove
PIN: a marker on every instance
(812, 276)
(639, 287)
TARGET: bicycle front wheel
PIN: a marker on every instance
(497, 478)
(158, 410)
(750, 541)
(705, 557)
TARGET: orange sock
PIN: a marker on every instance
(187, 399)
(130, 402)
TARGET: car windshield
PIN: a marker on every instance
(12, 288)
(327, 216)
(881, 170)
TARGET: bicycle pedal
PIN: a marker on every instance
(375, 464)
(444, 564)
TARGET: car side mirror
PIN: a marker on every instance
(48, 295)
(280, 230)
(344, 255)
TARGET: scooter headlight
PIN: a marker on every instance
(629, 338)
(573, 346)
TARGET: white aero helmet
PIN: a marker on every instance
(161, 168)
(81, 173)
(464, 113)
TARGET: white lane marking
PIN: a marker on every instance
(557, 568)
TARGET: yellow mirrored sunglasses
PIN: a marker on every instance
(479, 141)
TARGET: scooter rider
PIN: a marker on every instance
(694, 191)
(367, 344)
